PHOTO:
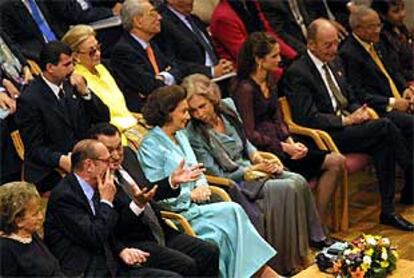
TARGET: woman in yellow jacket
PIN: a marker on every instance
(87, 56)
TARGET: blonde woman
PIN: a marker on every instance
(87, 55)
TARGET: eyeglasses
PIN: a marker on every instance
(104, 160)
(92, 51)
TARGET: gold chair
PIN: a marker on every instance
(354, 162)
(34, 67)
(182, 223)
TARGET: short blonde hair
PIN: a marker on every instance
(77, 35)
(14, 197)
(199, 84)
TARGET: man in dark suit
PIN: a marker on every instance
(168, 248)
(289, 19)
(30, 24)
(138, 64)
(184, 38)
(80, 220)
(378, 80)
(74, 12)
(319, 96)
(53, 113)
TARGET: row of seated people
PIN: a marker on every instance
(167, 110)
(184, 37)
(387, 207)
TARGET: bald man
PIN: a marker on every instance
(378, 81)
(320, 98)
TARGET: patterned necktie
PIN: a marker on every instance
(152, 59)
(381, 66)
(148, 215)
(342, 102)
(202, 39)
(61, 94)
(41, 22)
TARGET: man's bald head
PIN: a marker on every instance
(323, 39)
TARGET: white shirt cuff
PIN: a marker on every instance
(136, 209)
(168, 78)
(390, 106)
(88, 95)
(175, 187)
(107, 202)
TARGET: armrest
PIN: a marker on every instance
(220, 181)
(310, 132)
(34, 67)
(178, 218)
(221, 193)
(373, 113)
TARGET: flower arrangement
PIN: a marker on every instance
(367, 256)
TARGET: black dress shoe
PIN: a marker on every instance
(397, 221)
(319, 245)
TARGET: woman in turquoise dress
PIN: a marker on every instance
(243, 252)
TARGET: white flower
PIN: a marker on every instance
(348, 262)
(347, 252)
(384, 255)
(371, 241)
(385, 241)
(367, 260)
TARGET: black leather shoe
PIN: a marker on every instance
(319, 245)
(397, 221)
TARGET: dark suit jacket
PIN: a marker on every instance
(130, 228)
(18, 23)
(73, 234)
(178, 42)
(283, 22)
(369, 83)
(50, 128)
(316, 9)
(308, 97)
(72, 13)
(134, 72)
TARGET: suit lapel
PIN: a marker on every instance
(183, 28)
(77, 190)
(137, 48)
(53, 103)
(318, 81)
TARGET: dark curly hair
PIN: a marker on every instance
(257, 45)
(383, 6)
(161, 103)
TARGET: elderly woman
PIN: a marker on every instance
(22, 252)
(243, 252)
(255, 95)
(220, 143)
(87, 55)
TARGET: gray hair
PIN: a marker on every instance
(356, 17)
(130, 9)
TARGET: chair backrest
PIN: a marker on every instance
(285, 109)
(18, 143)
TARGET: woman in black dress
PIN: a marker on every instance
(255, 95)
(22, 252)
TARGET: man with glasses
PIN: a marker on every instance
(379, 82)
(53, 113)
(81, 218)
(140, 224)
